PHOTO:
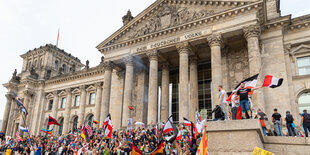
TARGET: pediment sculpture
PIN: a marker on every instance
(167, 17)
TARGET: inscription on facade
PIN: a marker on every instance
(169, 41)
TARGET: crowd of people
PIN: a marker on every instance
(241, 98)
(237, 106)
(121, 143)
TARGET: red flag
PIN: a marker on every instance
(130, 107)
(52, 120)
(239, 113)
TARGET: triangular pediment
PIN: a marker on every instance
(170, 14)
(301, 49)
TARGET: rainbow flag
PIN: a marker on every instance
(47, 131)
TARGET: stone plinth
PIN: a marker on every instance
(240, 137)
(234, 137)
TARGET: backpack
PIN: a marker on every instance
(289, 118)
(307, 118)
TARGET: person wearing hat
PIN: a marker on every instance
(234, 104)
(290, 124)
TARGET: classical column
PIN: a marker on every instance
(183, 49)
(105, 105)
(67, 111)
(252, 33)
(7, 109)
(27, 101)
(153, 88)
(10, 123)
(127, 89)
(193, 78)
(82, 105)
(55, 104)
(98, 101)
(215, 42)
(164, 108)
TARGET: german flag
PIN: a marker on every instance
(135, 150)
(95, 121)
(85, 134)
(159, 149)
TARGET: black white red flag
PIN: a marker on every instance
(187, 122)
(248, 83)
(168, 125)
(272, 82)
(107, 127)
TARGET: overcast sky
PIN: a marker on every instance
(28, 24)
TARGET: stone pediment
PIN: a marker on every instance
(168, 14)
(301, 49)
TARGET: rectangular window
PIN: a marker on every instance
(303, 65)
(92, 98)
(63, 103)
(77, 100)
(50, 105)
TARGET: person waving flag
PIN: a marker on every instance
(20, 104)
(107, 127)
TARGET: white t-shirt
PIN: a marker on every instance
(233, 101)
(224, 96)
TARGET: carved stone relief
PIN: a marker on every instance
(169, 16)
(237, 66)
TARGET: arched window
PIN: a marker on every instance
(304, 101)
(90, 118)
(41, 62)
(61, 122)
(35, 63)
(75, 123)
(64, 68)
(56, 64)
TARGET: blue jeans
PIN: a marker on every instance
(306, 127)
(278, 128)
(290, 129)
(245, 105)
(264, 131)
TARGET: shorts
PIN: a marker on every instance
(244, 105)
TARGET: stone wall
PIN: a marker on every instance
(240, 137)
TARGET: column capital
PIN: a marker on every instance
(28, 92)
(251, 31)
(193, 59)
(128, 60)
(165, 65)
(9, 96)
(108, 65)
(152, 54)
(68, 90)
(120, 74)
(82, 88)
(55, 92)
(183, 47)
(98, 84)
(215, 40)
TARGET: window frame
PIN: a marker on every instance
(62, 104)
(301, 57)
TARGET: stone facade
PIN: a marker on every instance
(168, 60)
